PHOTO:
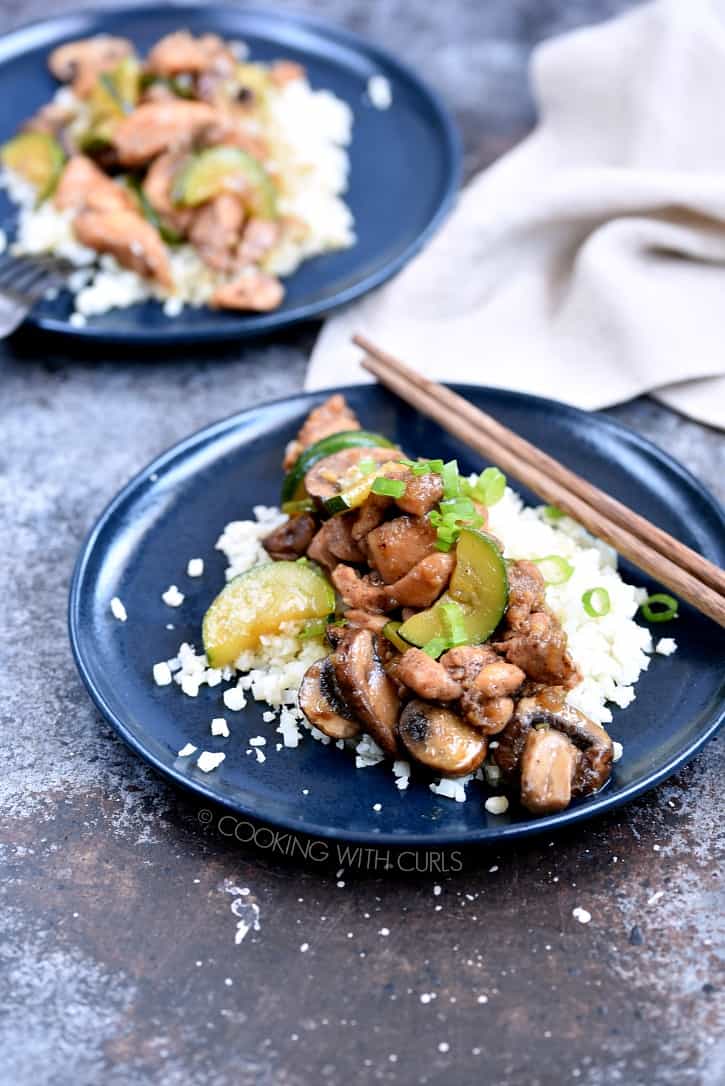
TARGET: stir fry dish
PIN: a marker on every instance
(206, 175)
(437, 647)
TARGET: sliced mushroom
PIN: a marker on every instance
(333, 543)
(440, 740)
(323, 704)
(366, 688)
(292, 538)
(491, 715)
(82, 61)
(425, 676)
(326, 478)
(548, 766)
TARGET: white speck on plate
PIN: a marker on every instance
(618, 751)
(234, 699)
(195, 567)
(162, 674)
(172, 597)
(187, 749)
(118, 610)
(496, 805)
(209, 760)
(380, 92)
(219, 726)
(666, 646)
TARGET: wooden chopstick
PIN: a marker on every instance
(670, 562)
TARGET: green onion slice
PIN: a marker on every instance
(596, 602)
(313, 628)
(366, 467)
(488, 488)
(451, 480)
(665, 607)
(389, 488)
(552, 513)
(555, 569)
(304, 505)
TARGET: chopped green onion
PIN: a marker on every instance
(552, 513)
(454, 623)
(408, 463)
(365, 467)
(427, 467)
(436, 647)
(554, 569)
(314, 628)
(596, 602)
(304, 505)
(389, 488)
(488, 488)
(668, 604)
(451, 479)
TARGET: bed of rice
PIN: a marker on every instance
(309, 131)
(611, 651)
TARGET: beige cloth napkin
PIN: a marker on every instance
(589, 263)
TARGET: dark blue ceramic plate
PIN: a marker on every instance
(176, 509)
(405, 161)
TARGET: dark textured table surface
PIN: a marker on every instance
(118, 960)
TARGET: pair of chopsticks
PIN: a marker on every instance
(690, 576)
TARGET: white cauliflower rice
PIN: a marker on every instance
(611, 651)
(309, 131)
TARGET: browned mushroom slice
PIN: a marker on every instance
(324, 480)
(366, 688)
(334, 543)
(323, 704)
(82, 61)
(441, 740)
(425, 676)
(292, 538)
(548, 765)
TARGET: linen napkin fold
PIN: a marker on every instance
(588, 264)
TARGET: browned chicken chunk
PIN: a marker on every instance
(425, 676)
(158, 185)
(259, 237)
(156, 127)
(397, 545)
(252, 290)
(181, 53)
(133, 241)
(333, 543)
(526, 592)
(83, 186)
(216, 229)
(419, 588)
(539, 647)
(331, 417)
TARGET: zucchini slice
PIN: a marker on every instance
(479, 586)
(259, 602)
(226, 169)
(36, 157)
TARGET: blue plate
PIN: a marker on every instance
(178, 506)
(405, 161)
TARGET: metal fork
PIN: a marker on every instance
(23, 282)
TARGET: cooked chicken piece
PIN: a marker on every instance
(134, 242)
(366, 593)
(81, 62)
(181, 53)
(323, 704)
(419, 588)
(526, 592)
(498, 679)
(83, 186)
(548, 766)
(369, 515)
(291, 539)
(157, 187)
(331, 417)
(215, 231)
(423, 584)
(156, 127)
(366, 688)
(422, 493)
(331, 475)
(253, 290)
(490, 715)
(232, 131)
(465, 662)
(440, 740)
(286, 71)
(366, 620)
(425, 676)
(334, 543)
(397, 545)
(595, 749)
(259, 237)
(539, 647)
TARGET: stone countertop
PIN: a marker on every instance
(118, 960)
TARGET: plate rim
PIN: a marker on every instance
(599, 805)
(262, 324)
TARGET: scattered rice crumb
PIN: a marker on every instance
(209, 760)
(118, 610)
(582, 915)
(219, 726)
(234, 699)
(78, 320)
(618, 751)
(172, 597)
(187, 749)
(258, 741)
(377, 806)
(261, 756)
(666, 646)
(195, 568)
(497, 805)
(380, 92)
(162, 674)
